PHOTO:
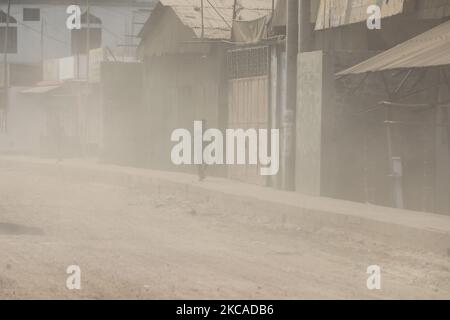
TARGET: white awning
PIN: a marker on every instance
(429, 49)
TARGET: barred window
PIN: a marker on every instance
(31, 14)
(248, 62)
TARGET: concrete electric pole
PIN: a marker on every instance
(4, 118)
(289, 116)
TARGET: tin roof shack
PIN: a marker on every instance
(184, 72)
(183, 48)
(346, 146)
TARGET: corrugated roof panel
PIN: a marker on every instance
(217, 14)
(334, 13)
(429, 49)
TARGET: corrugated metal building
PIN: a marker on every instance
(185, 48)
(372, 138)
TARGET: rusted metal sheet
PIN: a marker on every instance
(429, 49)
(336, 13)
(248, 109)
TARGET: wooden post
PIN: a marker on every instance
(88, 38)
(445, 115)
(203, 19)
(291, 95)
(42, 47)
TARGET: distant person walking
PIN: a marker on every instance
(202, 167)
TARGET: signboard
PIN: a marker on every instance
(67, 68)
(51, 70)
(71, 68)
(334, 13)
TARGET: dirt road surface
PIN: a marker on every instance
(130, 244)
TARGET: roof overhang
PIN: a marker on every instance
(429, 49)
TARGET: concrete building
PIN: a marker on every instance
(350, 144)
(184, 49)
(48, 69)
(42, 33)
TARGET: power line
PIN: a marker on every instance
(112, 11)
(119, 14)
(112, 32)
(48, 36)
(102, 26)
(62, 41)
(45, 35)
(220, 15)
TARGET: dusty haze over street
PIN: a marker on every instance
(224, 149)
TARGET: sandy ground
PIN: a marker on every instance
(130, 244)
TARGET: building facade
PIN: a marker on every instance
(361, 137)
(42, 33)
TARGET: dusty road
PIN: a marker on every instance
(130, 244)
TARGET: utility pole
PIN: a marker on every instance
(42, 46)
(5, 69)
(203, 19)
(305, 26)
(289, 117)
(86, 106)
(88, 37)
(234, 10)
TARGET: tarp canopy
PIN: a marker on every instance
(429, 49)
(249, 31)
